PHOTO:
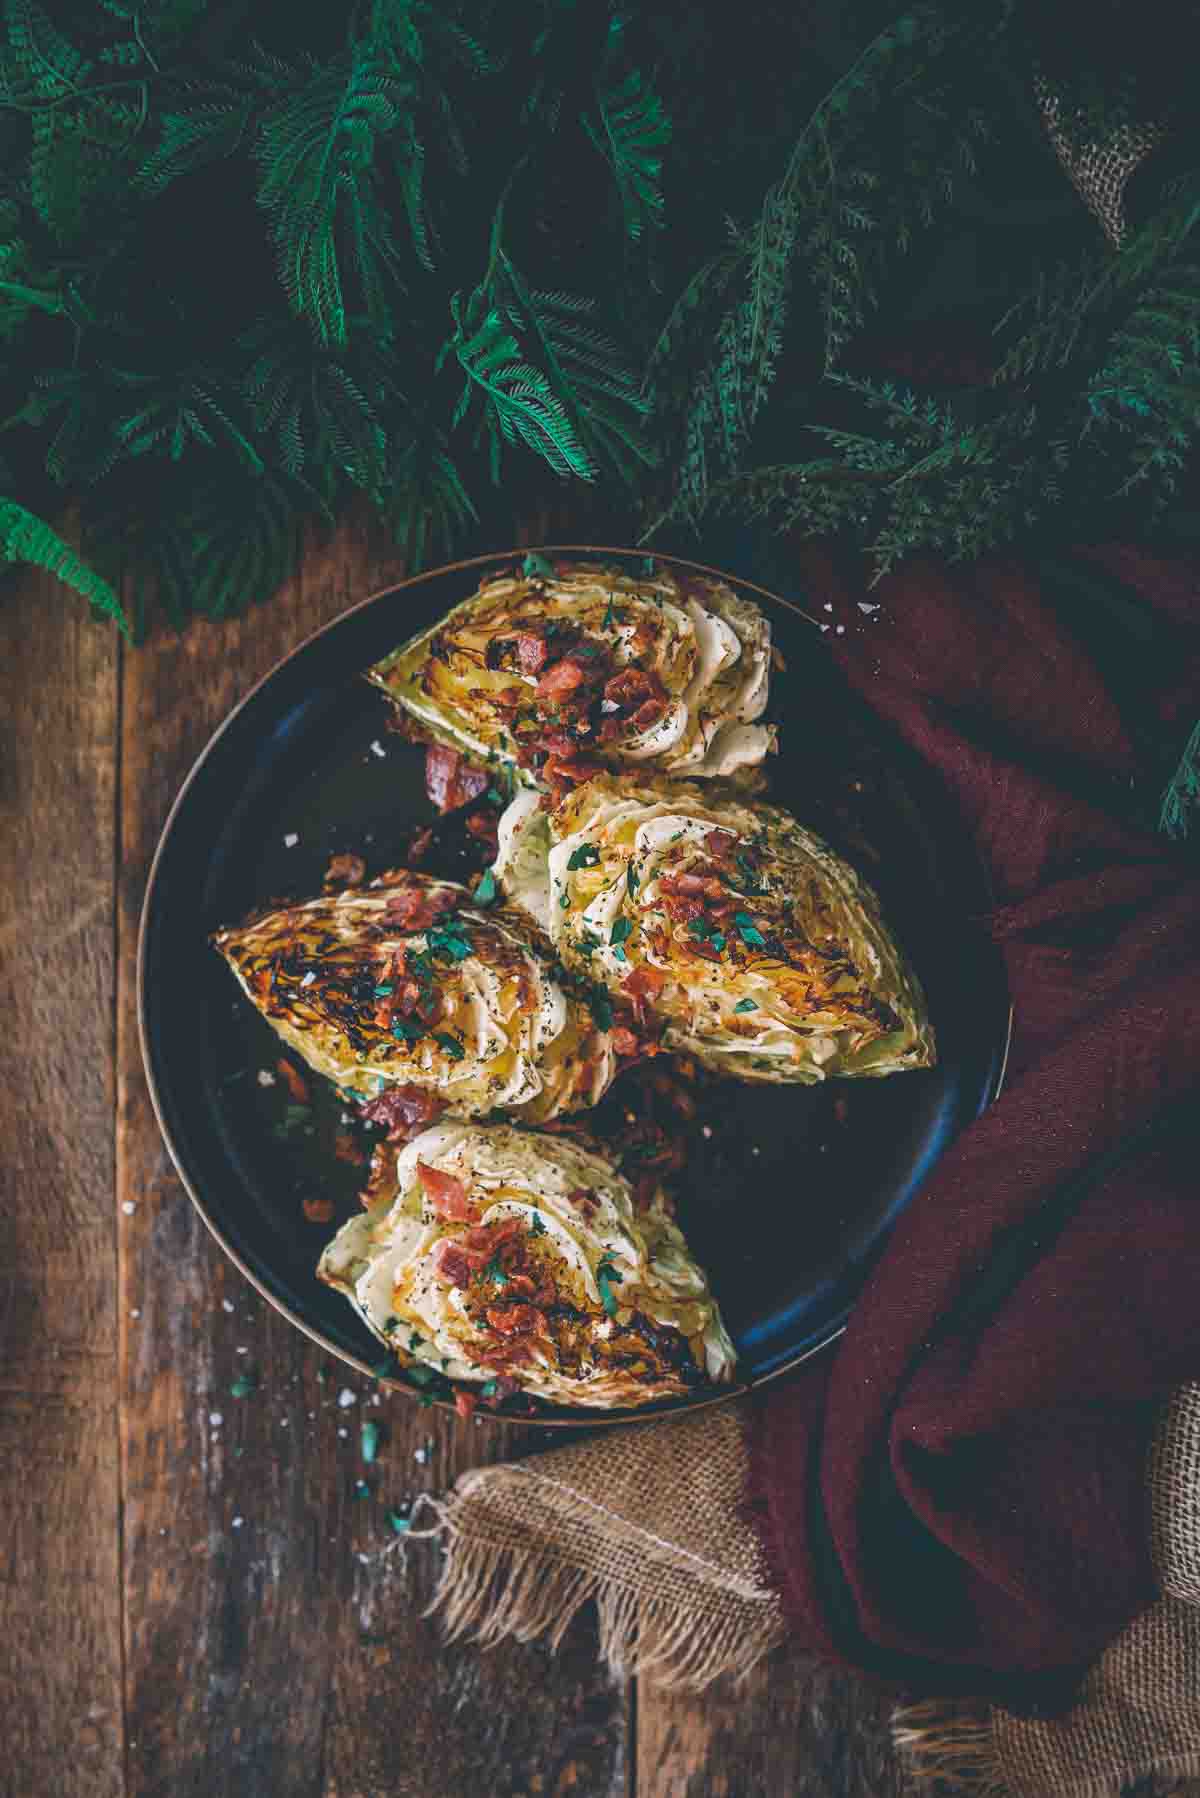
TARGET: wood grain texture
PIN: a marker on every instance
(60, 1636)
(796, 1729)
(274, 1637)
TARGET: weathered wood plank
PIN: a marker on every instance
(796, 1729)
(60, 1634)
(273, 1636)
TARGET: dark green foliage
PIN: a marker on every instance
(1183, 790)
(240, 272)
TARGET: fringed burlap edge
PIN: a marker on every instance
(528, 1545)
(949, 1747)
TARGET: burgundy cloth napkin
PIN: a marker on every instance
(956, 1499)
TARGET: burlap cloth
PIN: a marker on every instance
(647, 1522)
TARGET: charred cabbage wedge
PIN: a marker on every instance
(493, 1253)
(761, 951)
(404, 983)
(585, 666)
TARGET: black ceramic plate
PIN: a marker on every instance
(790, 1190)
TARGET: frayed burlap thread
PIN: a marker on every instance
(1138, 1711)
(645, 1522)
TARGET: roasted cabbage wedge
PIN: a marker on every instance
(758, 948)
(405, 983)
(498, 1254)
(588, 666)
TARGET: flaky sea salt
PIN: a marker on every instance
(346, 1398)
(129, 1206)
(216, 1419)
(309, 979)
(227, 1304)
(378, 749)
(291, 839)
(265, 1077)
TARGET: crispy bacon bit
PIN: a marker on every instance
(648, 715)
(464, 1404)
(447, 1194)
(450, 780)
(318, 1211)
(346, 1149)
(563, 677)
(404, 1110)
(514, 1320)
(706, 886)
(295, 1082)
(345, 871)
(720, 844)
(631, 688)
(485, 1239)
(482, 826)
(624, 1041)
(454, 1265)
(532, 653)
(419, 848)
(561, 772)
(416, 907)
(644, 982)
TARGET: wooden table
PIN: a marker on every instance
(193, 1604)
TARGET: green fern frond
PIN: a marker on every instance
(27, 539)
(1182, 795)
(424, 502)
(321, 407)
(630, 131)
(320, 169)
(519, 404)
(208, 132)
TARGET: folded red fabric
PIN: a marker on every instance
(956, 1497)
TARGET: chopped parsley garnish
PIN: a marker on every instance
(495, 1273)
(421, 1376)
(387, 1369)
(649, 565)
(488, 1389)
(485, 892)
(244, 1385)
(748, 871)
(612, 616)
(390, 1324)
(408, 1030)
(361, 1489)
(717, 941)
(631, 880)
(622, 929)
(565, 901)
(746, 1005)
(606, 1278)
(370, 1441)
(748, 930)
(537, 1228)
(588, 942)
(537, 565)
(494, 796)
(600, 1006)
(619, 953)
(296, 1117)
(586, 856)
(414, 1342)
(381, 992)
(448, 941)
(450, 1044)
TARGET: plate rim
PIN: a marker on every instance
(585, 1419)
